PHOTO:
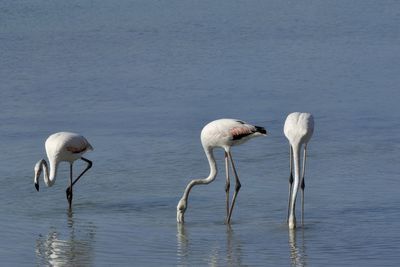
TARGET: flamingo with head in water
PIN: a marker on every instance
(298, 129)
(62, 146)
(223, 133)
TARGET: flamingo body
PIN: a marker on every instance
(222, 133)
(225, 133)
(298, 129)
(66, 146)
(62, 146)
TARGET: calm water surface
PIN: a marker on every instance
(141, 78)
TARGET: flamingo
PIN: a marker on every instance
(62, 146)
(298, 129)
(223, 133)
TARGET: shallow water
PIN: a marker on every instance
(140, 79)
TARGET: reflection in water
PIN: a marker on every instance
(231, 256)
(76, 249)
(233, 248)
(183, 244)
(298, 254)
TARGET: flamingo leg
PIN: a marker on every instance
(227, 185)
(85, 170)
(237, 188)
(302, 184)
(290, 179)
(69, 189)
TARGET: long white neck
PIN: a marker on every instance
(49, 179)
(296, 182)
(209, 179)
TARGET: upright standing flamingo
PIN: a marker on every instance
(223, 133)
(62, 146)
(298, 129)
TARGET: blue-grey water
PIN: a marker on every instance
(140, 79)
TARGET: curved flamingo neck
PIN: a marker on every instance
(211, 161)
(49, 179)
(207, 180)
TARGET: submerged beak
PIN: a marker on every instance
(37, 187)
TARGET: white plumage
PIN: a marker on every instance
(62, 146)
(223, 133)
(298, 129)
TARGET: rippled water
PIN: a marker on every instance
(140, 79)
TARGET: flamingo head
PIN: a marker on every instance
(180, 210)
(38, 172)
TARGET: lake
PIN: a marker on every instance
(139, 79)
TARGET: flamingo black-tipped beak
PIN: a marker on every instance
(37, 187)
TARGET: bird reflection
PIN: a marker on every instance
(182, 246)
(298, 256)
(70, 248)
(217, 255)
(233, 248)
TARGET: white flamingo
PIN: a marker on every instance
(62, 146)
(223, 133)
(298, 129)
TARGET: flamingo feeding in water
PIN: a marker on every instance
(298, 129)
(223, 133)
(62, 146)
